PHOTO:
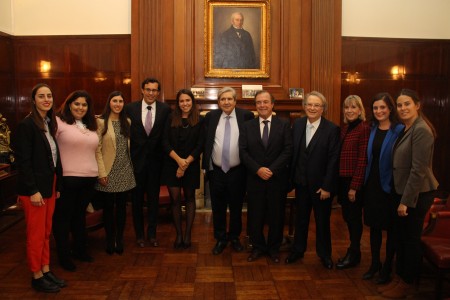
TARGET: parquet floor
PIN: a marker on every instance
(165, 273)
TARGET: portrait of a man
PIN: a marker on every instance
(237, 39)
(234, 48)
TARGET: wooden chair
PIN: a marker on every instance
(436, 244)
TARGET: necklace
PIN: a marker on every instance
(81, 126)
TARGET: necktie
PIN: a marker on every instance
(309, 131)
(148, 120)
(226, 146)
(265, 135)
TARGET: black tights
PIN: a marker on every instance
(114, 217)
(189, 196)
(376, 237)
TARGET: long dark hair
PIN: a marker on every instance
(65, 114)
(387, 99)
(36, 116)
(193, 117)
(415, 97)
(124, 125)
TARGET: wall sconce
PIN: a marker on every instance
(100, 77)
(45, 66)
(352, 78)
(398, 72)
(126, 79)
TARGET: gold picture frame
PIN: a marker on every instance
(228, 48)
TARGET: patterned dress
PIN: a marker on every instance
(121, 177)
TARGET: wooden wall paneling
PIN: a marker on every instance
(182, 43)
(7, 92)
(98, 64)
(326, 53)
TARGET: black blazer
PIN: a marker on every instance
(322, 165)
(211, 122)
(34, 161)
(143, 147)
(276, 156)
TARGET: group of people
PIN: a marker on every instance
(382, 170)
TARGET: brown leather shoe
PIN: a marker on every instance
(401, 290)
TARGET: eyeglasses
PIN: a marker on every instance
(151, 90)
(313, 105)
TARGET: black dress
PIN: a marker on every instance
(185, 140)
(378, 205)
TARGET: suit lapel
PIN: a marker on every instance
(111, 132)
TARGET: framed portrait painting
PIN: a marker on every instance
(237, 38)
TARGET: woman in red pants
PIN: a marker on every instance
(39, 169)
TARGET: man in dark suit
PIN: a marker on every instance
(148, 117)
(314, 175)
(234, 47)
(223, 168)
(265, 146)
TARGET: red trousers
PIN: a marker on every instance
(39, 227)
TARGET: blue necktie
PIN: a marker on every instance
(226, 146)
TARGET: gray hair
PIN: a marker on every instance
(318, 95)
(226, 89)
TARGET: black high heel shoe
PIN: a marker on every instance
(178, 244)
(374, 269)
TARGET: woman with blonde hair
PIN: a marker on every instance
(352, 167)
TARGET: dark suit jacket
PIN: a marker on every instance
(276, 156)
(232, 52)
(34, 161)
(323, 155)
(143, 147)
(211, 122)
(413, 163)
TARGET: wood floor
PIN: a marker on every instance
(165, 273)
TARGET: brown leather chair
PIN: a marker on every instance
(436, 244)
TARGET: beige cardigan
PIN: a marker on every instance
(106, 150)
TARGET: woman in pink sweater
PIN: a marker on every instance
(77, 139)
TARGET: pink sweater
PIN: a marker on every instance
(77, 148)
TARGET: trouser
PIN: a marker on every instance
(409, 249)
(70, 215)
(39, 227)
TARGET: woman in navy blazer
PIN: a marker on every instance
(379, 207)
(415, 187)
(39, 166)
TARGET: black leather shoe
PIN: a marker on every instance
(254, 255)
(67, 265)
(109, 250)
(52, 277)
(140, 243)
(83, 257)
(44, 285)
(119, 249)
(293, 257)
(349, 261)
(327, 262)
(275, 257)
(237, 246)
(219, 247)
(374, 269)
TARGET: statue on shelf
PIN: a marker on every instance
(6, 153)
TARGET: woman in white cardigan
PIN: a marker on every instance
(115, 170)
